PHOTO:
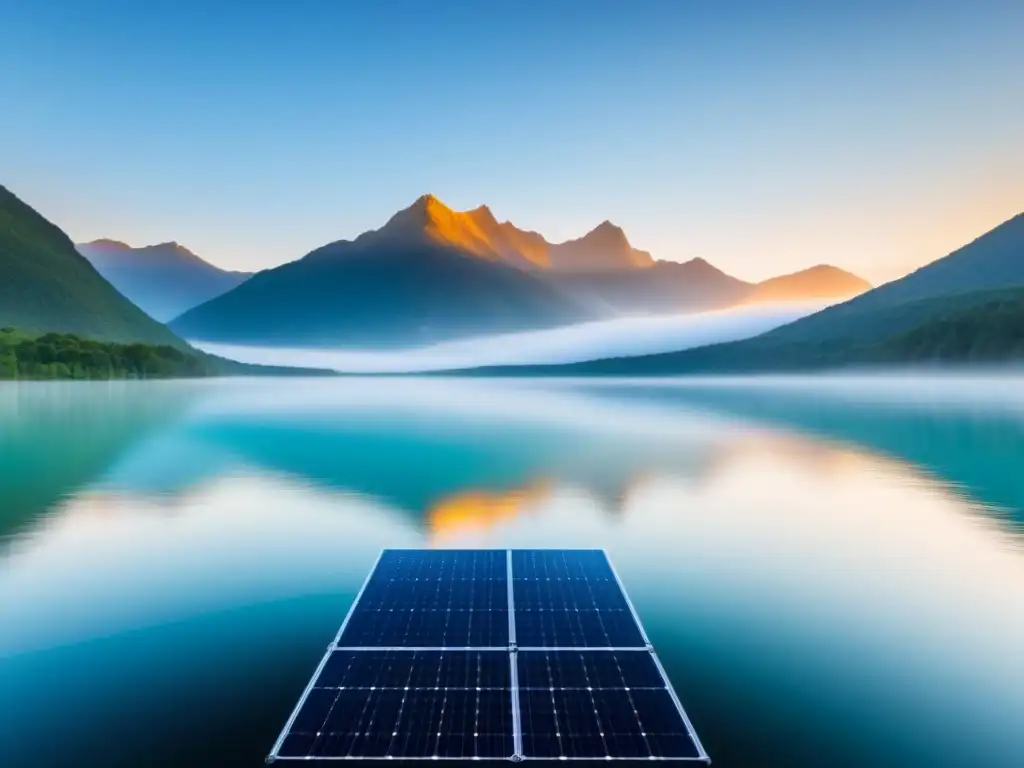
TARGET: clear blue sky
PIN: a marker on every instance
(764, 136)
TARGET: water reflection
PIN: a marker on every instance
(475, 513)
(967, 432)
(830, 579)
(56, 438)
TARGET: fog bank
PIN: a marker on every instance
(619, 337)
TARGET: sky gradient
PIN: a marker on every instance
(764, 137)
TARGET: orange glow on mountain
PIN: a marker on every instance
(480, 511)
(479, 233)
(462, 230)
(476, 232)
(820, 282)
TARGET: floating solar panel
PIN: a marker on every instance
(490, 655)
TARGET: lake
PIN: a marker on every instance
(831, 569)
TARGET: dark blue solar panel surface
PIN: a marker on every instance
(570, 598)
(588, 669)
(433, 598)
(440, 628)
(578, 680)
(638, 723)
(415, 669)
(598, 704)
(406, 704)
(414, 723)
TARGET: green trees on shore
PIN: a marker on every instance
(66, 356)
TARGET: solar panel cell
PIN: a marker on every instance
(560, 564)
(433, 598)
(584, 629)
(588, 669)
(442, 565)
(406, 704)
(415, 669)
(366, 722)
(570, 598)
(434, 593)
(571, 724)
(569, 595)
(390, 628)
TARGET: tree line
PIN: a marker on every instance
(67, 356)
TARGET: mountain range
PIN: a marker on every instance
(431, 273)
(967, 306)
(164, 280)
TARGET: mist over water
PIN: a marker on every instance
(620, 337)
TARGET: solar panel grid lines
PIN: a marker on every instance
(433, 598)
(571, 598)
(585, 700)
(375, 704)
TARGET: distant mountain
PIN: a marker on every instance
(603, 248)
(428, 274)
(664, 287)
(164, 280)
(966, 306)
(821, 282)
(46, 285)
(667, 287)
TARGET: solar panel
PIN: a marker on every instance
(490, 654)
(401, 704)
(601, 724)
(571, 598)
(433, 598)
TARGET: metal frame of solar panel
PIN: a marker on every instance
(493, 655)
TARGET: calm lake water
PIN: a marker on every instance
(831, 569)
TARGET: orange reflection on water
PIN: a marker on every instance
(481, 511)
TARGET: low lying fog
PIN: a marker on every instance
(588, 341)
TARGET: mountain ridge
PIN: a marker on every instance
(427, 275)
(347, 291)
(163, 279)
(47, 285)
(478, 232)
(820, 281)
